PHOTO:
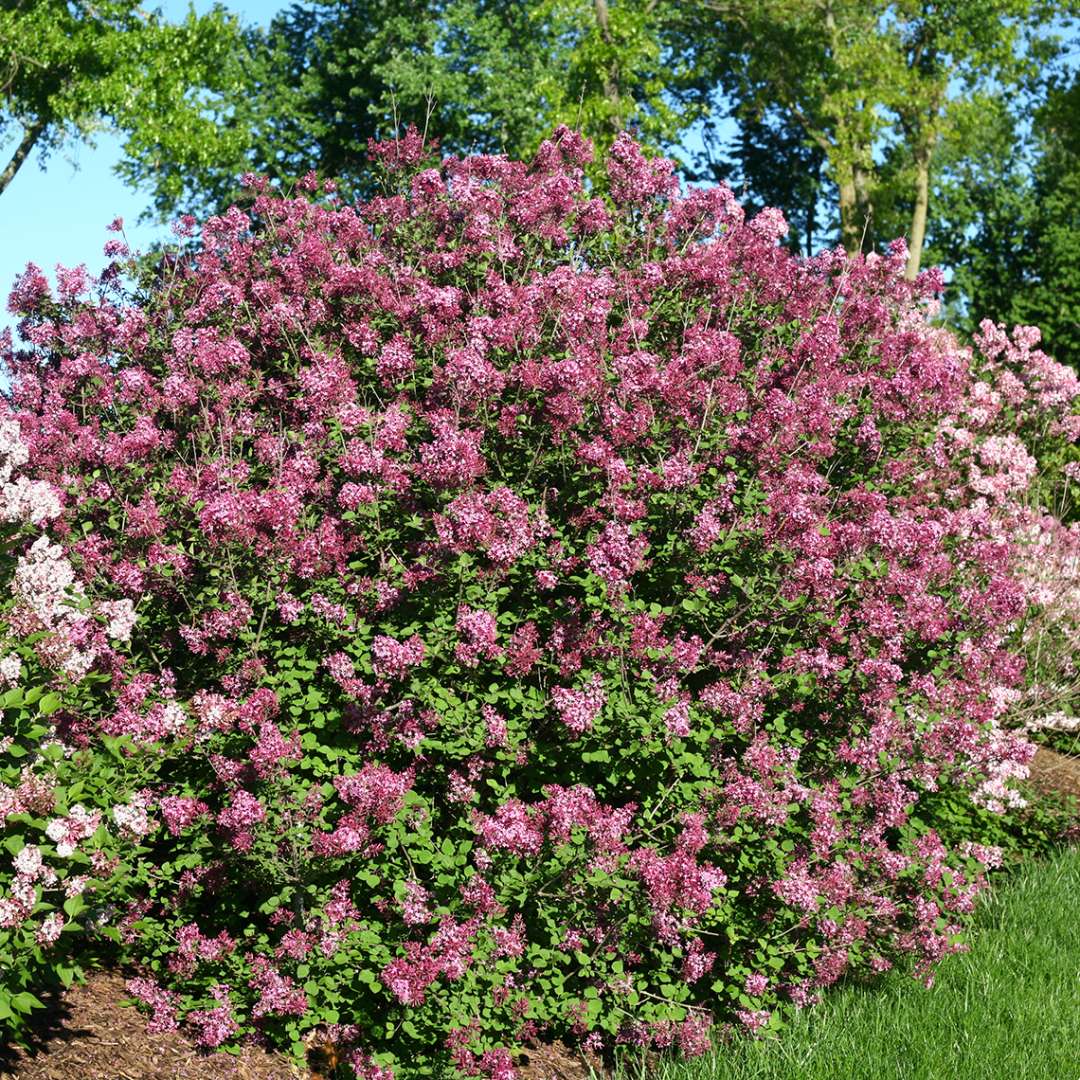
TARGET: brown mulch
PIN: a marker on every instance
(557, 1062)
(1054, 772)
(85, 1034)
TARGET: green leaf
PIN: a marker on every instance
(24, 1002)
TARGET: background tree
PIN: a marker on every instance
(1009, 227)
(69, 68)
(770, 162)
(310, 90)
(873, 84)
(861, 119)
(479, 76)
(1051, 296)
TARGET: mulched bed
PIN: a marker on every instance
(1054, 772)
(557, 1063)
(86, 1034)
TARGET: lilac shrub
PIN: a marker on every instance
(556, 616)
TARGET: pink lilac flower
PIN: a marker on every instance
(513, 827)
(453, 459)
(365, 1067)
(414, 905)
(49, 931)
(81, 824)
(180, 811)
(616, 555)
(238, 818)
(494, 726)
(133, 818)
(394, 658)
(28, 862)
(76, 885)
(477, 632)
(163, 1003)
(217, 1025)
(121, 618)
(753, 1019)
(27, 500)
(510, 941)
(579, 709)
(278, 994)
(10, 669)
(692, 1035)
(497, 522)
(677, 719)
(698, 962)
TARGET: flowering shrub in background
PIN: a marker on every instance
(1023, 412)
(61, 854)
(555, 615)
(1050, 568)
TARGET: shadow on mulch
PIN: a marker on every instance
(86, 1034)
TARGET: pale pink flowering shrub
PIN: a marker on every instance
(58, 860)
(553, 611)
(22, 499)
(1049, 567)
(1024, 416)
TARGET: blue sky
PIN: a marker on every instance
(59, 214)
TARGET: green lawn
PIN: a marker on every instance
(1007, 1010)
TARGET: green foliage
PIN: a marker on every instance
(480, 76)
(74, 68)
(1010, 223)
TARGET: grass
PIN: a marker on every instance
(1007, 1010)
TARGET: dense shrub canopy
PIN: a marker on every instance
(554, 615)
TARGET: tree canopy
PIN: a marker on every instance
(478, 76)
(873, 85)
(1010, 225)
(862, 120)
(71, 68)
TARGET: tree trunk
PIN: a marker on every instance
(856, 211)
(602, 18)
(22, 152)
(850, 232)
(612, 89)
(918, 214)
(864, 208)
